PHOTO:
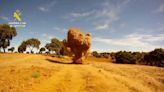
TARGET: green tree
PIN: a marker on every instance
(42, 49)
(55, 45)
(32, 43)
(11, 49)
(62, 51)
(58, 45)
(137, 57)
(48, 47)
(96, 54)
(155, 57)
(124, 57)
(6, 34)
(22, 47)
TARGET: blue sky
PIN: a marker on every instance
(136, 25)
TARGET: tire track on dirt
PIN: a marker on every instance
(95, 81)
(92, 81)
(66, 80)
(86, 78)
(122, 79)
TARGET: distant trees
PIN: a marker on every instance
(42, 49)
(22, 47)
(155, 57)
(32, 43)
(105, 55)
(55, 45)
(138, 56)
(96, 54)
(6, 34)
(11, 49)
(48, 47)
(124, 57)
(101, 55)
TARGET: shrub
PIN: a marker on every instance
(35, 74)
(96, 54)
(11, 49)
(124, 57)
(155, 57)
(138, 57)
(105, 55)
(41, 50)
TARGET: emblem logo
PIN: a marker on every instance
(17, 15)
(18, 22)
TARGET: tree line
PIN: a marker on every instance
(55, 46)
(7, 33)
(153, 58)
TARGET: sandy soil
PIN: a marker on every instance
(38, 73)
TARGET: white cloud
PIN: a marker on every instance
(109, 14)
(122, 25)
(161, 29)
(59, 29)
(121, 42)
(150, 38)
(83, 14)
(43, 9)
(103, 27)
(47, 36)
(46, 7)
(135, 41)
(160, 8)
(4, 18)
(103, 16)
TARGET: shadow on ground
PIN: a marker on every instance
(57, 61)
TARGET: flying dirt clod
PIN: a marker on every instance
(78, 44)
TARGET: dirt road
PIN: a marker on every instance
(36, 73)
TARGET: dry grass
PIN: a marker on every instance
(38, 73)
(94, 59)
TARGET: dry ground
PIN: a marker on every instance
(38, 73)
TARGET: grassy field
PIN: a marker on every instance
(39, 73)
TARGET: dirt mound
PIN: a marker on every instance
(36, 73)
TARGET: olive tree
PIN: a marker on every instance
(6, 34)
(32, 43)
(22, 47)
(42, 49)
(55, 45)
